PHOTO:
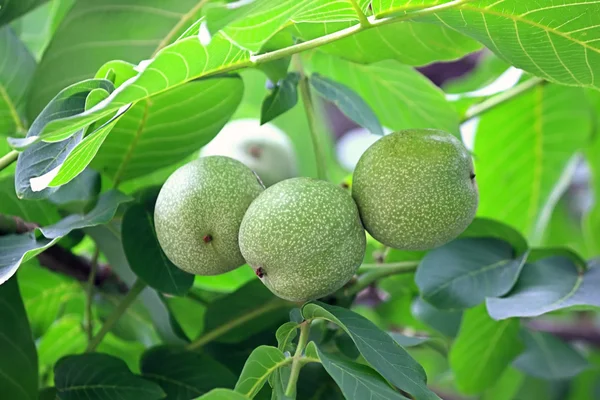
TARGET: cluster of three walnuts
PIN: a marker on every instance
(305, 238)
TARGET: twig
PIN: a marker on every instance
(583, 332)
(90, 295)
(127, 301)
(374, 272)
(364, 22)
(495, 101)
(8, 159)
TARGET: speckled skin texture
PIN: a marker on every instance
(416, 189)
(207, 197)
(306, 237)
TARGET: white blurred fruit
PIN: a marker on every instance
(265, 149)
(353, 144)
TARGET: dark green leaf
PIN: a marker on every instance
(489, 228)
(40, 162)
(16, 249)
(283, 97)
(18, 363)
(285, 334)
(547, 285)
(483, 350)
(145, 256)
(462, 273)
(279, 380)
(253, 307)
(548, 357)
(446, 322)
(99, 376)
(48, 394)
(189, 314)
(358, 381)
(80, 194)
(259, 366)
(10, 10)
(40, 212)
(183, 374)
(408, 341)
(108, 239)
(377, 347)
(14, 81)
(348, 101)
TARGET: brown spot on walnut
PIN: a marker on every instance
(260, 272)
(207, 238)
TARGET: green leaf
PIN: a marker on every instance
(285, 334)
(548, 357)
(542, 130)
(446, 322)
(19, 363)
(189, 314)
(279, 380)
(462, 273)
(377, 347)
(63, 338)
(108, 239)
(483, 350)
(39, 163)
(357, 381)
(259, 366)
(222, 394)
(348, 101)
(489, 228)
(48, 394)
(80, 194)
(99, 376)
(145, 256)
(252, 308)
(554, 39)
(44, 295)
(41, 212)
(406, 42)
(168, 127)
(283, 98)
(507, 386)
(184, 374)
(387, 7)
(10, 10)
(408, 341)
(547, 285)
(16, 249)
(14, 82)
(401, 97)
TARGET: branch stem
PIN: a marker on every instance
(495, 101)
(313, 127)
(127, 301)
(8, 159)
(364, 21)
(374, 272)
(297, 359)
(90, 294)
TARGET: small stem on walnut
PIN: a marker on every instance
(313, 127)
(297, 359)
(374, 272)
(8, 159)
(90, 294)
(495, 101)
(127, 301)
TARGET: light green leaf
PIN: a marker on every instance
(96, 376)
(410, 43)
(348, 101)
(558, 40)
(462, 273)
(16, 70)
(222, 394)
(507, 386)
(377, 347)
(259, 366)
(168, 127)
(285, 334)
(19, 363)
(64, 337)
(357, 381)
(483, 350)
(386, 7)
(548, 357)
(400, 96)
(539, 132)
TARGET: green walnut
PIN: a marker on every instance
(304, 238)
(415, 189)
(265, 149)
(198, 214)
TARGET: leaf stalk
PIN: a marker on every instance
(298, 362)
(8, 159)
(90, 294)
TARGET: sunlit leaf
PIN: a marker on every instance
(259, 366)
